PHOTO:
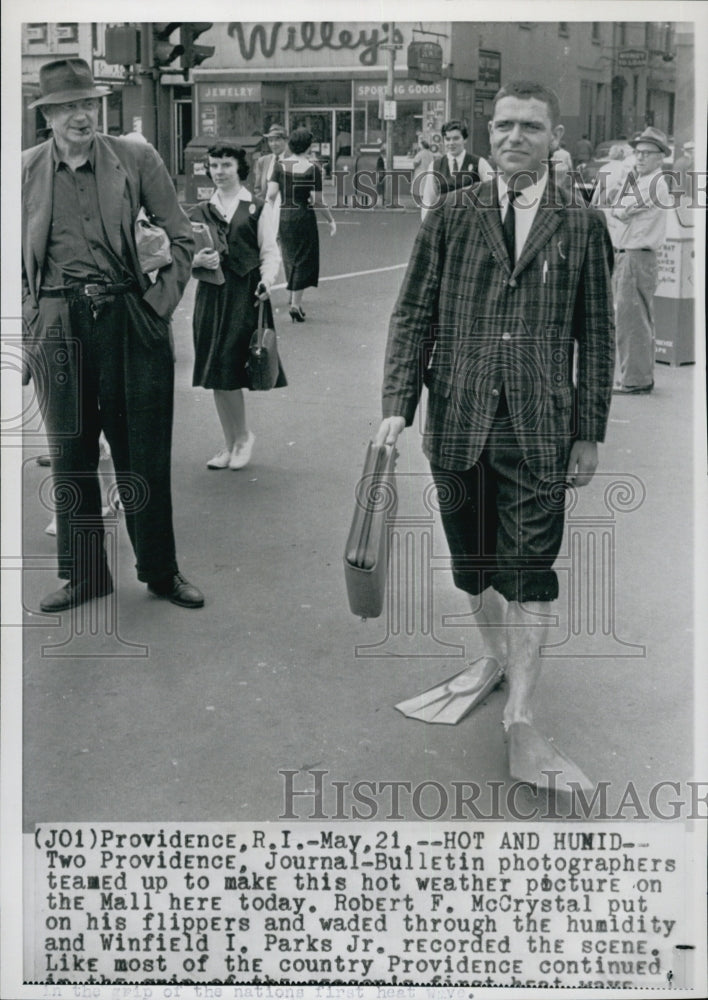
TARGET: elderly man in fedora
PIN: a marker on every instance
(277, 139)
(640, 212)
(98, 334)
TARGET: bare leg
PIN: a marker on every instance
(231, 408)
(524, 639)
(488, 612)
(296, 297)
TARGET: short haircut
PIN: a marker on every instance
(300, 140)
(455, 125)
(527, 90)
(616, 152)
(225, 151)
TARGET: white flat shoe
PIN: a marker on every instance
(220, 460)
(51, 528)
(241, 455)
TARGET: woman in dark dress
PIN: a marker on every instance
(299, 182)
(234, 277)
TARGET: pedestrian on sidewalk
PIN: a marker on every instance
(298, 182)
(245, 257)
(83, 288)
(641, 214)
(501, 293)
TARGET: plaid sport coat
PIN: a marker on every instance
(468, 325)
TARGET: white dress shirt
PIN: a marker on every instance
(525, 207)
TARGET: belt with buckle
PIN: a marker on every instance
(91, 290)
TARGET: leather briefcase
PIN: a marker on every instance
(367, 548)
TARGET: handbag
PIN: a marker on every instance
(262, 365)
(367, 549)
(203, 241)
(152, 244)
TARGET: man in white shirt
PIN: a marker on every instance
(640, 212)
(456, 168)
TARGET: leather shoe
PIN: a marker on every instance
(73, 594)
(178, 590)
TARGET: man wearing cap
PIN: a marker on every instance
(263, 168)
(641, 211)
(98, 334)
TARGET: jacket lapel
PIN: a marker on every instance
(489, 221)
(38, 210)
(110, 181)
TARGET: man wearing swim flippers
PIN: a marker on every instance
(506, 315)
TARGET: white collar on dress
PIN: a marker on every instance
(243, 195)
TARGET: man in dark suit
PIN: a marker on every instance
(97, 334)
(506, 315)
(456, 168)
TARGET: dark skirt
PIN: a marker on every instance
(300, 246)
(225, 317)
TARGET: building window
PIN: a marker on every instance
(68, 32)
(526, 25)
(37, 34)
(622, 33)
(563, 30)
(596, 33)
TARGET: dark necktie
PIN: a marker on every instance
(509, 228)
(454, 165)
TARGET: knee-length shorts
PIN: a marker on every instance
(504, 525)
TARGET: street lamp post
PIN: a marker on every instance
(391, 63)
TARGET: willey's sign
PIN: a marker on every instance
(284, 44)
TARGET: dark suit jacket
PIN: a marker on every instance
(470, 326)
(128, 175)
(468, 168)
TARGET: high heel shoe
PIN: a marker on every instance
(297, 314)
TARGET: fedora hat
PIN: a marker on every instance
(66, 80)
(655, 135)
(275, 132)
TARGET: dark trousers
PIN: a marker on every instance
(108, 366)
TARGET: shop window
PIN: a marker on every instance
(238, 119)
(320, 93)
(114, 113)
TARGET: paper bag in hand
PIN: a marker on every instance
(152, 244)
(203, 241)
(366, 553)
